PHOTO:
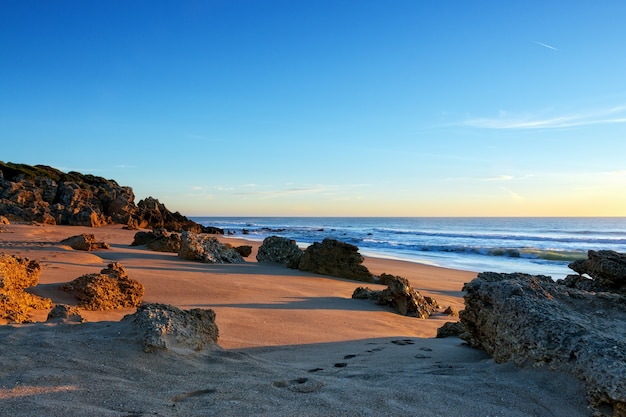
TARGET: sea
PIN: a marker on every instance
(532, 245)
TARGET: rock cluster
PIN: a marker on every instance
(280, 250)
(531, 320)
(150, 213)
(607, 269)
(401, 296)
(159, 240)
(166, 327)
(109, 290)
(335, 258)
(207, 249)
(86, 242)
(17, 274)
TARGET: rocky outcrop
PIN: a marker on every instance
(207, 249)
(17, 274)
(335, 258)
(62, 313)
(532, 320)
(401, 296)
(607, 269)
(46, 195)
(280, 250)
(164, 327)
(451, 329)
(109, 290)
(4, 220)
(86, 242)
(159, 240)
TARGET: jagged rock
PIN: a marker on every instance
(17, 274)
(450, 329)
(531, 320)
(606, 267)
(207, 249)
(151, 213)
(62, 313)
(4, 220)
(451, 311)
(244, 250)
(335, 258)
(400, 295)
(166, 327)
(279, 250)
(159, 240)
(110, 289)
(211, 230)
(86, 242)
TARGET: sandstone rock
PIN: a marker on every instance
(165, 327)
(110, 289)
(17, 274)
(151, 213)
(606, 267)
(4, 220)
(531, 320)
(280, 250)
(86, 242)
(62, 313)
(335, 258)
(207, 249)
(159, 240)
(450, 329)
(366, 293)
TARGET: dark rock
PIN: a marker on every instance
(450, 329)
(86, 242)
(207, 249)
(244, 250)
(152, 214)
(62, 313)
(279, 250)
(164, 327)
(159, 240)
(335, 258)
(606, 267)
(110, 289)
(210, 230)
(366, 293)
(17, 274)
(451, 311)
(4, 220)
(533, 321)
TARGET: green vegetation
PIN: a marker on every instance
(11, 170)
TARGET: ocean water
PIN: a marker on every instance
(503, 244)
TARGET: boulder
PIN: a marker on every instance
(151, 213)
(244, 250)
(159, 240)
(109, 290)
(62, 313)
(531, 320)
(606, 267)
(4, 220)
(401, 296)
(335, 258)
(450, 329)
(280, 250)
(164, 327)
(17, 274)
(207, 249)
(86, 242)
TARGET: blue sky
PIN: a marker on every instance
(348, 108)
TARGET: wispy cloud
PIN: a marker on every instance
(514, 196)
(613, 115)
(545, 45)
(500, 178)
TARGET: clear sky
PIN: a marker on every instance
(325, 108)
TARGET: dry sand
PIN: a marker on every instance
(291, 344)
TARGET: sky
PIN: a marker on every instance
(325, 108)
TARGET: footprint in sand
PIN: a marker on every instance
(196, 393)
(303, 385)
(403, 342)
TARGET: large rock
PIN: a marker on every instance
(62, 313)
(17, 274)
(606, 267)
(335, 258)
(532, 320)
(86, 242)
(401, 296)
(109, 290)
(164, 327)
(159, 240)
(151, 213)
(279, 250)
(207, 249)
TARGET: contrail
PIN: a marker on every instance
(545, 45)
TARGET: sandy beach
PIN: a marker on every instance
(291, 343)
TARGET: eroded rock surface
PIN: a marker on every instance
(335, 258)
(62, 313)
(86, 242)
(159, 240)
(207, 249)
(280, 250)
(607, 269)
(17, 274)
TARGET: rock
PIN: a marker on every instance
(151, 213)
(86, 242)
(244, 250)
(159, 240)
(401, 296)
(212, 230)
(164, 327)
(4, 220)
(451, 311)
(606, 267)
(17, 274)
(335, 258)
(450, 329)
(109, 290)
(531, 320)
(62, 313)
(207, 249)
(279, 250)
